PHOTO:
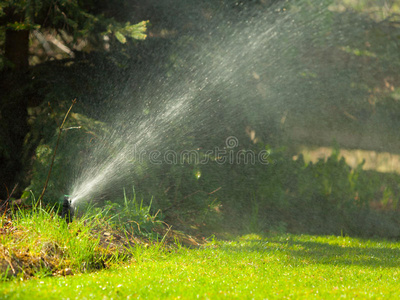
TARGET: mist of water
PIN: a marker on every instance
(249, 65)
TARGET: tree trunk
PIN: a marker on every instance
(13, 108)
(17, 48)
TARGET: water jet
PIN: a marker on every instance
(278, 73)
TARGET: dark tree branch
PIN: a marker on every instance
(60, 130)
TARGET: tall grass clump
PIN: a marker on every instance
(38, 242)
(129, 214)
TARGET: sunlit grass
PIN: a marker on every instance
(284, 266)
(384, 162)
(378, 10)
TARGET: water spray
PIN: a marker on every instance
(67, 212)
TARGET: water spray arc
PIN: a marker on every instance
(256, 68)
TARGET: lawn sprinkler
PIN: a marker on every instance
(67, 212)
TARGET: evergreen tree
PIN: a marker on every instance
(67, 23)
(78, 18)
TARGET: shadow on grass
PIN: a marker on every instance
(297, 251)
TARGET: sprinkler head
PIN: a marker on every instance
(67, 212)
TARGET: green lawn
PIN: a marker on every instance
(285, 266)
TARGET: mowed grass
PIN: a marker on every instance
(250, 267)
